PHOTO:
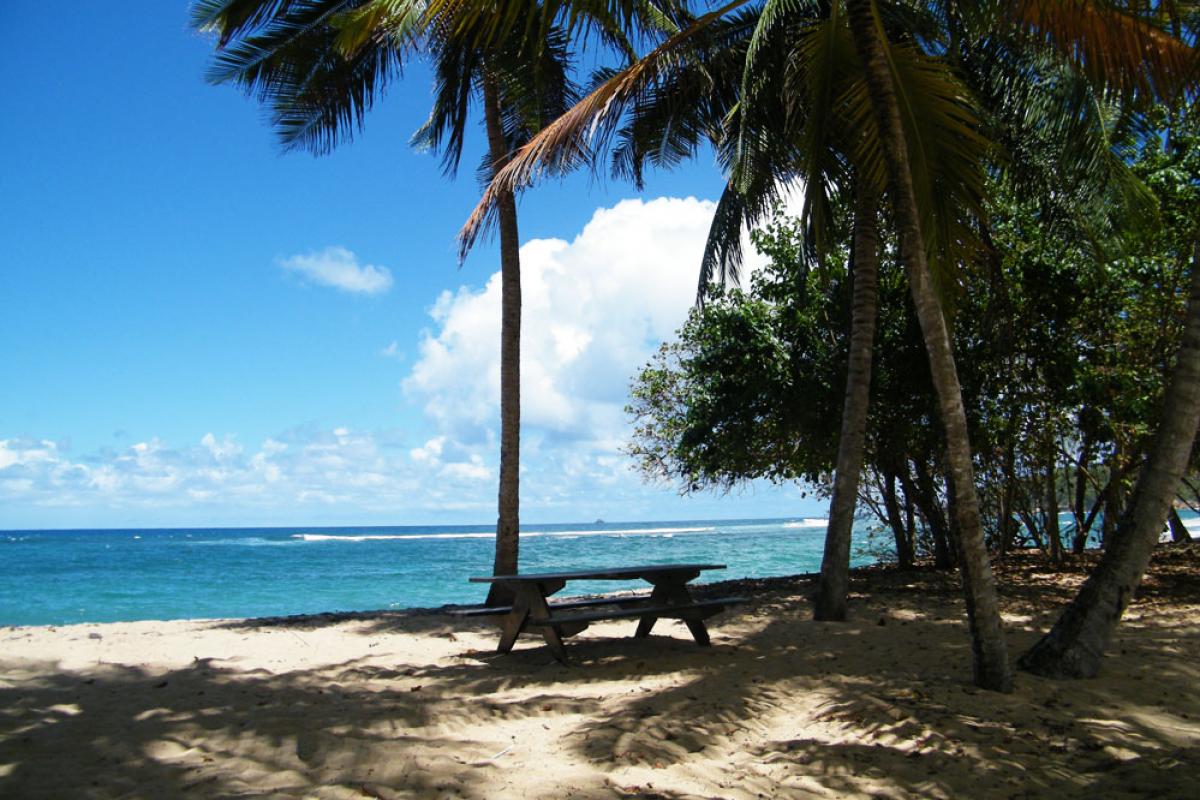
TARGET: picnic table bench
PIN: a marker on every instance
(532, 611)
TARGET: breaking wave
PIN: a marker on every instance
(373, 537)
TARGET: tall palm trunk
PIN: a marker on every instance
(1074, 646)
(991, 666)
(835, 565)
(508, 522)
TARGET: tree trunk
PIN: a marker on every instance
(989, 650)
(910, 526)
(1074, 646)
(1050, 502)
(925, 495)
(1179, 531)
(508, 523)
(900, 532)
(835, 564)
(1008, 494)
(1114, 507)
(1079, 508)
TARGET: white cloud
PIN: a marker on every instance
(283, 472)
(472, 469)
(431, 451)
(595, 308)
(392, 351)
(593, 311)
(222, 450)
(339, 268)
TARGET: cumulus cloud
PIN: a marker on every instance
(339, 268)
(595, 308)
(593, 311)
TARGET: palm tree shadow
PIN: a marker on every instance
(787, 706)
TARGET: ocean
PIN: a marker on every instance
(64, 577)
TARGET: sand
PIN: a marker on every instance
(416, 704)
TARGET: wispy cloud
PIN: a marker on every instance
(339, 268)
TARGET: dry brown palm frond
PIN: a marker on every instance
(1112, 45)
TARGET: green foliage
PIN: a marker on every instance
(1063, 348)
(745, 391)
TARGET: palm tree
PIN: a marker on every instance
(871, 153)
(1116, 55)
(779, 93)
(320, 65)
(991, 665)
(1075, 645)
(1111, 44)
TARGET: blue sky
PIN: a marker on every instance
(199, 330)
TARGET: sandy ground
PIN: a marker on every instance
(417, 705)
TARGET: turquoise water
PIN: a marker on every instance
(62, 577)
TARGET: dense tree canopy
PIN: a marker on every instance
(1065, 343)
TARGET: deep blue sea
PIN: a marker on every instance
(62, 577)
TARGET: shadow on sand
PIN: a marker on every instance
(780, 706)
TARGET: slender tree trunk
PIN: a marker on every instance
(990, 652)
(1179, 531)
(1050, 501)
(1008, 494)
(1114, 507)
(910, 526)
(1074, 646)
(1079, 509)
(900, 532)
(925, 494)
(835, 564)
(1031, 525)
(508, 524)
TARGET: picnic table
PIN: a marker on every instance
(533, 611)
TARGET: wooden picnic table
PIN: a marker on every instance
(531, 608)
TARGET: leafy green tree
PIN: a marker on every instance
(1112, 44)
(1076, 644)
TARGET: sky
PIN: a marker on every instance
(200, 330)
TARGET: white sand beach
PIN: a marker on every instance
(417, 704)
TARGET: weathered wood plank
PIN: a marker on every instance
(495, 611)
(701, 609)
(618, 573)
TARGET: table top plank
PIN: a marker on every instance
(616, 573)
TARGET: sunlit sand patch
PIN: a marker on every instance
(415, 705)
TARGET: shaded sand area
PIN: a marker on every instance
(415, 704)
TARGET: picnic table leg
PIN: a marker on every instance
(539, 611)
(673, 591)
(699, 631)
(514, 623)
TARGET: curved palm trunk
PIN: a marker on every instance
(835, 564)
(991, 666)
(508, 521)
(1074, 646)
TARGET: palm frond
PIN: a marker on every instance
(1116, 44)
(558, 145)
